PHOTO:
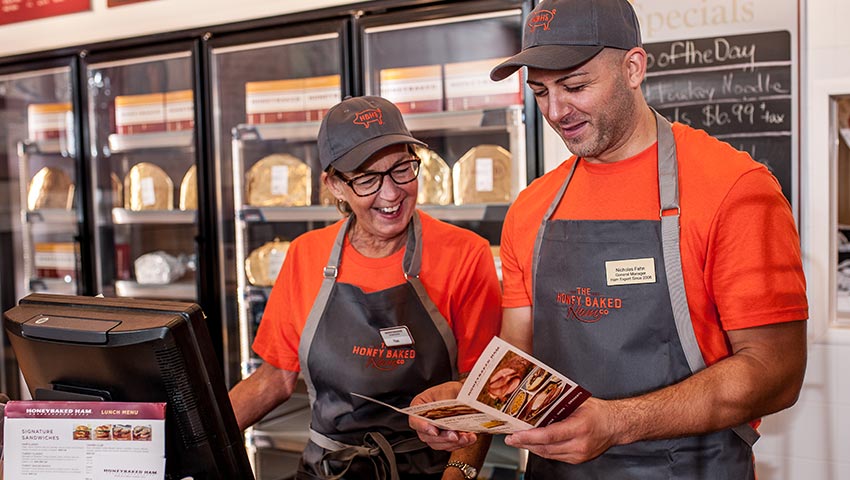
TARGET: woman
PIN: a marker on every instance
(384, 303)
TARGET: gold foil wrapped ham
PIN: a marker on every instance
(278, 180)
(483, 175)
(117, 190)
(148, 187)
(189, 189)
(435, 178)
(263, 264)
(50, 188)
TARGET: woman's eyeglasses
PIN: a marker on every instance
(369, 183)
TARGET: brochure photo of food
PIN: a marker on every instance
(448, 411)
(505, 380)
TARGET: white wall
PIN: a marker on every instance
(812, 439)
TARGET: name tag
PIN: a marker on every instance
(630, 272)
(396, 336)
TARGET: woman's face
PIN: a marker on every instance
(383, 216)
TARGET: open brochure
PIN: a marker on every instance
(507, 391)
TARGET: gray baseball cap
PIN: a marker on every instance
(560, 34)
(357, 127)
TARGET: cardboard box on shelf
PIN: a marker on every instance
(49, 121)
(468, 86)
(414, 89)
(320, 94)
(291, 100)
(140, 113)
(179, 110)
(55, 259)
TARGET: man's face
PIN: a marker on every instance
(592, 106)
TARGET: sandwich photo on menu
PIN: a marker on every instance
(507, 391)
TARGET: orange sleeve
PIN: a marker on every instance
(753, 267)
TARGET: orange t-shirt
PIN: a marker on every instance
(457, 271)
(739, 244)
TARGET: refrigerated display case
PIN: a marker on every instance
(39, 168)
(143, 167)
(269, 91)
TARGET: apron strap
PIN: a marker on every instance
(412, 265)
(329, 272)
(374, 445)
(542, 230)
(668, 189)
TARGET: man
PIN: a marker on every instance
(658, 267)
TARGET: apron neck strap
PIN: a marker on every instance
(412, 255)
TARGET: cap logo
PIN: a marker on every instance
(541, 19)
(369, 116)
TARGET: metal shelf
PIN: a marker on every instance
(123, 143)
(123, 216)
(454, 121)
(290, 131)
(53, 285)
(285, 428)
(58, 216)
(176, 291)
(473, 212)
(56, 146)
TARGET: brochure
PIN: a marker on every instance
(58, 440)
(507, 391)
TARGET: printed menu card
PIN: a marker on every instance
(507, 391)
(59, 440)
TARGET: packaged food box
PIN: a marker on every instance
(414, 89)
(55, 259)
(179, 110)
(49, 121)
(140, 113)
(468, 86)
(291, 100)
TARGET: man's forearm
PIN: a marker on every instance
(763, 376)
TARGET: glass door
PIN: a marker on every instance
(144, 175)
(435, 65)
(476, 129)
(39, 164)
(270, 91)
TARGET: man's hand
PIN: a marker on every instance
(435, 437)
(582, 436)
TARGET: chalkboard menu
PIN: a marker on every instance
(736, 88)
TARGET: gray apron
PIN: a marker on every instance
(342, 351)
(607, 321)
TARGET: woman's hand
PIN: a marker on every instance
(435, 437)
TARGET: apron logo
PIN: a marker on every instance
(587, 306)
(369, 116)
(383, 358)
(542, 19)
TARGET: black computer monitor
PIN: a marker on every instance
(120, 349)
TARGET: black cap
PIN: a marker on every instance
(561, 34)
(354, 129)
